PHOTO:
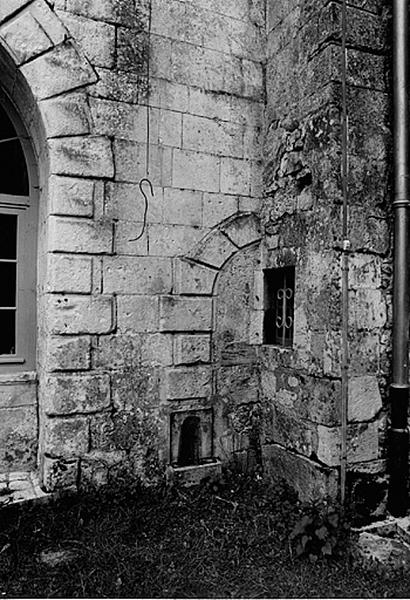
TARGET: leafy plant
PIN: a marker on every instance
(319, 532)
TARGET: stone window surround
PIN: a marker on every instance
(27, 212)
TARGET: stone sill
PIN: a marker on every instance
(193, 474)
(18, 377)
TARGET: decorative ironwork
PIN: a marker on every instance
(279, 302)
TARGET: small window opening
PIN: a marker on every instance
(279, 292)
(189, 442)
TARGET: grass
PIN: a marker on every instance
(220, 540)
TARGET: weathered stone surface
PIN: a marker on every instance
(89, 156)
(195, 171)
(81, 314)
(96, 39)
(146, 275)
(15, 395)
(383, 554)
(58, 474)
(181, 383)
(81, 235)
(243, 230)
(73, 394)
(68, 353)
(364, 398)
(11, 7)
(309, 479)
(213, 250)
(66, 115)
(59, 70)
(363, 442)
(25, 37)
(193, 279)
(185, 314)
(183, 207)
(18, 437)
(190, 349)
(65, 438)
(138, 314)
(173, 240)
(70, 196)
(69, 274)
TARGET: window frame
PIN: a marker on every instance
(26, 209)
(275, 280)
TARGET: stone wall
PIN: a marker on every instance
(302, 216)
(125, 324)
(149, 314)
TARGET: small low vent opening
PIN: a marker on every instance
(189, 442)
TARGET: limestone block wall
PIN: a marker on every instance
(302, 217)
(125, 325)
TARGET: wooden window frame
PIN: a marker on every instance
(26, 210)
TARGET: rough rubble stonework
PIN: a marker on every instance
(241, 103)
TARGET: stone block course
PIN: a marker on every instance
(81, 235)
(189, 349)
(96, 39)
(68, 353)
(122, 120)
(18, 437)
(214, 249)
(66, 438)
(180, 383)
(71, 196)
(172, 240)
(82, 156)
(148, 275)
(59, 70)
(16, 395)
(80, 314)
(124, 201)
(139, 314)
(69, 274)
(218, 207)
(195, 171)
(185, 314)
(311, 481)
(66, 115)
(212, 136)
(182, 207)
(130, 162)
(25, 37)
(11, 7)
(235, 176)
(73, 394)
(193, 279)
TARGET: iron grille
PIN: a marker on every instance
(279, 306)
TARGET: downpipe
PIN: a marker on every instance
(399, 389)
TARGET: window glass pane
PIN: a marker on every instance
(13, 169)
(8, 236)
(6, 127)
(7, 332)
(8, 285)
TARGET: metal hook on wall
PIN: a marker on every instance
(146, 204)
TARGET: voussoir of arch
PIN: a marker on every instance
(197, 270)
(42, 48)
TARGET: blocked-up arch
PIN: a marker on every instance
(190, 309)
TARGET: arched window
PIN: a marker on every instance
(18, 244)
